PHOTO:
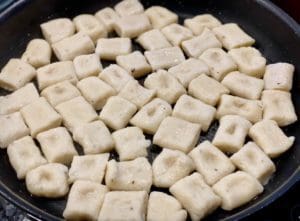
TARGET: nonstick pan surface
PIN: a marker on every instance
(277, 36)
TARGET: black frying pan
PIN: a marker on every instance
(278, 38)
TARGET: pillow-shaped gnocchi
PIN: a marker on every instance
(108, 17)
(110, 48)
(198, 23)
(87, 65)
(129, 7)
(176, 33)
(160, 16)
(152, 40)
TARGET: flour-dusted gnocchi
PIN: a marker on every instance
(177, 134)
(195, 196)
(243, 85)
(87, 65)
(110, 48)
(48, 180)
(94, 137)
(219, 62)
(231, 134)
(268, 136)
(254, 161)
(95, 91)
(236, 189)
(85, 200)
(88, 167)
(15, 74)
(231, 105)
(160, 16)
(129, 7)
(278, 106)
(124, 205)
(198, 23)
(163, 207)
(207, 89)
(170, 166)
(108, 17)
(152, 40)
(57, 145)
(176, 33)
(167, 87)
(131, 175)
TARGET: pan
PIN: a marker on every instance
(277, 36)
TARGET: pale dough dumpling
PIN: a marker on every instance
(170, 166)
(87, 65)
(108, 17)
(176, 33)
(129, 7)
(160, 16)
(152, 40)
(198, 23)
(110, 48)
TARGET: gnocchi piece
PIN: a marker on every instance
(166, 86)
(131, 175)
(48, 180)
(85, 200)
(108, 17)
(130, 143)
(160, 16)
(198, 23)
(270, 138)
(87, 65)
(164, 58)
(124, 205)
(24, 156)
(278, 106)
(232, 36)
(207, 89)
(237, 189)
(76, 112)
(152, 40)
(117, 112)
(170, 166)
(94, 137)
(195, 196)
(195, 111)
(149, 117)
(189, 69)
(95, 91)
(177, 134)
(231, 134)
(57, 29)
(195, 46)
(135, 63)
(57, 145)
(219, 62)
(212, 163)
(249, 61)
(254, 161)
(15, 74)
(73, 46)
(110, 48)
(176, 33)
(230, 105)
(37, 53)
(163, 207)
(40, 116)
(88, 167)
(129, 7)
(243, 85)
(279, 76)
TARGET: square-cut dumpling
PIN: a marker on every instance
(40, 116)
(129, 7)
(254, 161)
(212, 163)
(232, 105)
(129, 175)
(24, 156)
(130, 143)
(57, 145)
(176, 33)
(195, 196)
(87, 65)
(94, 137)
(268, 135)
(160, 16)
(167, 87)
(85, 200)
(88, 167)
(95, 91)
(278, 106)
(152, 40)
(110, 48)
(15, 74)
(108, 17)
(231, 134)
(237, 189)
(207, 89)
(198, 23)
(149, 117)
(243, 85)
(170, 166)
(195, 111)
(279, 76)
(124, 205)
(163, 207)
(178, 134)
